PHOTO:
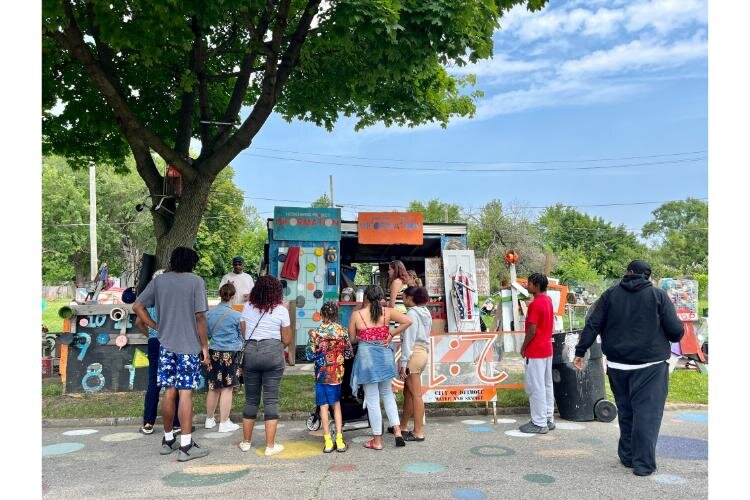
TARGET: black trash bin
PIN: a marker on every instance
(580, 395)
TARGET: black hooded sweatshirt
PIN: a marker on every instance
(636, 321)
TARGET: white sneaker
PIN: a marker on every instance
(276, 448)
(245, 446)
(228, 426)
(210, 423)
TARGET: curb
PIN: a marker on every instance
(302, 415)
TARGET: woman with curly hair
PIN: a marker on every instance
(267, 332)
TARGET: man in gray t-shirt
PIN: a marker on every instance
(181, 304)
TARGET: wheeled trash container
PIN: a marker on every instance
(580, 395)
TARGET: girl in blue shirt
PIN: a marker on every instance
(226, 329)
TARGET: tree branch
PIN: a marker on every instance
(71, 39)
(186, 114)
(274, 79)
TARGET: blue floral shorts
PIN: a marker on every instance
(181, 371)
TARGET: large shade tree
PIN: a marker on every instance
(148, 76)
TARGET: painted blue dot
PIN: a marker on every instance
(102, 338)
(423, 468)
(682, 448)
(693, 417)
(479, 428)
(468, 494)
(301, 314)
(60, 449)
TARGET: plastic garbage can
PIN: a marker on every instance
(580, 395)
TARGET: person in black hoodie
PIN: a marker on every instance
(637, 322)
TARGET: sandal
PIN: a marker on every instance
(400, 441)
(409, 436)
(390, 430)
(371, 445)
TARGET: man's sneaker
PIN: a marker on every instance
(273, 450)
(227, 426)
(246, 446)
(168, 447)
(210, 423)
(532, 428)
(551, 424)
(191, 452)
(176, 429)
(147, 429)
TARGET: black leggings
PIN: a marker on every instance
(262, 371)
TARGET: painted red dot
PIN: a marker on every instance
(453, 344)
(455, 370)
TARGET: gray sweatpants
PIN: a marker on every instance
(263, 368)
(538, 382)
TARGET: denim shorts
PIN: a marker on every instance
(181, 371)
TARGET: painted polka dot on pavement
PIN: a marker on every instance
(473, 422)
(61, 449)
(80, 432)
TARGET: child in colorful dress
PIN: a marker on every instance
(329, 346)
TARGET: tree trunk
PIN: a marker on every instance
(187, 218)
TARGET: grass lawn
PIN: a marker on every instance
(297, 394)
(50, 317)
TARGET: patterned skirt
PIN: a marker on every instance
(222, 370)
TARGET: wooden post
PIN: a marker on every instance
(292, 348)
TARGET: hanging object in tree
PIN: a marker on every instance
(511, 257)
(172, 182)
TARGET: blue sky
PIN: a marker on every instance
(576, 81)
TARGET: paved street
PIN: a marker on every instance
(463, 457)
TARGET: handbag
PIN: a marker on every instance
(240, 357)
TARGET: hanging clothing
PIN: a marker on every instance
(290, 270)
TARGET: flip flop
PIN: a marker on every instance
(409, 436)
(370, 445)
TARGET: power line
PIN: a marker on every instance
(461, 162)
(477, 170)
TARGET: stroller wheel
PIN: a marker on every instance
(313, 422)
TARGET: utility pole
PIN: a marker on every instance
(92, 220)
(330, 178)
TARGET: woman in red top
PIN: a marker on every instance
(375, 364)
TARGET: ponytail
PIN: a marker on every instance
(374, 294)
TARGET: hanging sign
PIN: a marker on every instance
(390, 228)
(306, 224)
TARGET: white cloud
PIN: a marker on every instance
(662, 15)
(636, 55)
(554, 93)
(666, 15)
(500, 65)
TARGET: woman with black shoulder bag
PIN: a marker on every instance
(263, 359)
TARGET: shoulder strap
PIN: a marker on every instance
(216, 325)
(362, 318)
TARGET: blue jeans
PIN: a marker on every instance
(151, 401)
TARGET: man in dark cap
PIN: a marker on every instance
(243, 282)
(637, 322)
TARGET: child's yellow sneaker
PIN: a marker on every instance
(340, 444)
(329, 444)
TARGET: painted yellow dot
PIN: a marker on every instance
(318, 252)
(296, 449)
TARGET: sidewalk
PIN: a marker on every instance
(461, 458)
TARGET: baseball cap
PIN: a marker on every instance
(640, 267)
(238, 259)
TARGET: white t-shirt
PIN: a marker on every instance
(269, 325)
(243, 284)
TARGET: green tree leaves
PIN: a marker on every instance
(681, 232)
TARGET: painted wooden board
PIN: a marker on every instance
(463, 314)
(434, 278)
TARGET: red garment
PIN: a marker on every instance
(373, 333)
(290, 270)
(540, 314)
